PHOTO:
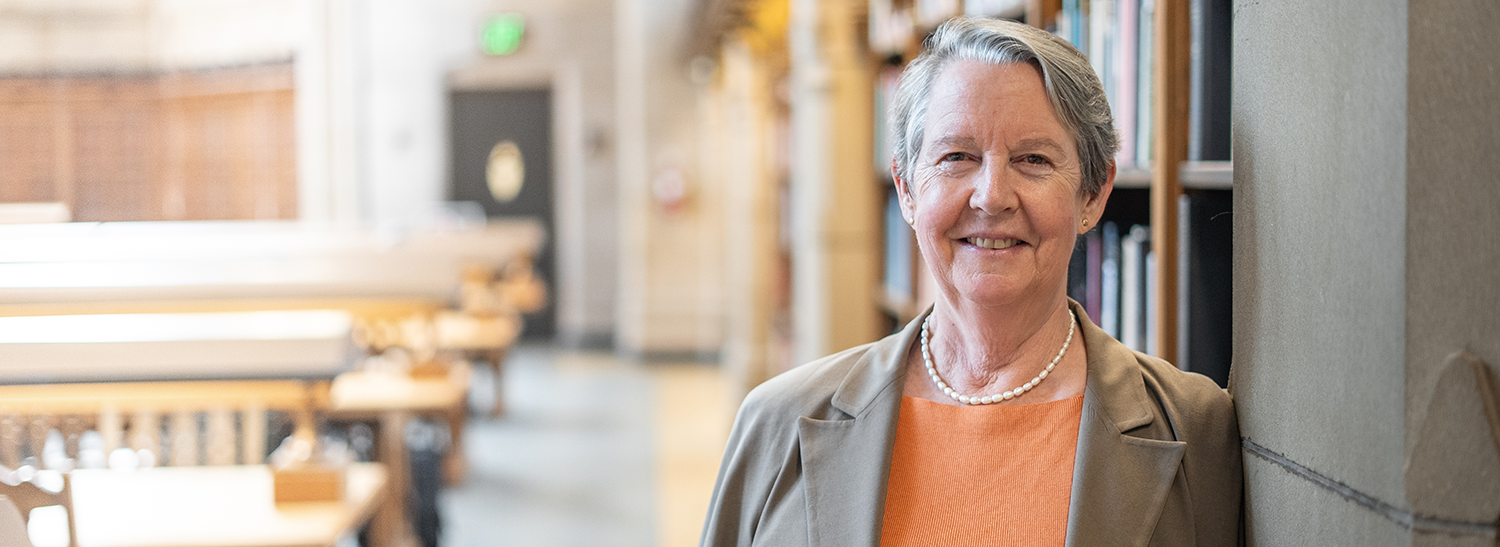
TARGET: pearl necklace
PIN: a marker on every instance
(992, 399)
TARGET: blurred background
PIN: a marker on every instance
(498, 272)
(523, 256)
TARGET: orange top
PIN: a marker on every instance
(981, 475)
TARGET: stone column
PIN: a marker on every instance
(834, 192)
(664, 240)
(1366, 259)
(750, 213)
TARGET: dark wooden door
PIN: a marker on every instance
(480, 121)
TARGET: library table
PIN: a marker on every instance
(62, 266)
(214, 506)
(300, 344)
(393, 399)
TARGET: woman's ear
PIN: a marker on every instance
(904, 195)
(1093, 205)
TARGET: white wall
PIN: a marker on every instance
(568, 48)
(126, 35)
(404, 51)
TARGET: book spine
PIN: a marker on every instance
(1109, 297)
(1130, 290)
(1126, 71)
(1078, 266)
(898, 259)
(1099, 27)
(1209, 85)
(1152, 316)
(1067, 22)
(1184, 280)
(1094, 275)
(1211, 298)
(1142, 315)
(1147, 53)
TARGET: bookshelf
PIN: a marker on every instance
(1206, 175)
(1170, 99)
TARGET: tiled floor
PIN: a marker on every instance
(592, 451)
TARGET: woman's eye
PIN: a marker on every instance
(954, 156)
(1034, 164)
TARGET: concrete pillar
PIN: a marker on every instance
(750, 214)
(1365, 149)
(1452, 269)
(834, 195)
(665, 234)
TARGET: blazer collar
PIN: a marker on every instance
(1120, 481)
(881, 367)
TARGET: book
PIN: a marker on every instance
(1210, 283)
(1125, 77)
(1067, 22)
(1152, 317)
(1209, 80)
(898, 252)
(1101, 26)
(1109, 294)
(1131, 294)
(1073, 23)
(995, 8)
(1184, 277)
(1078, 265)
(1094, 274)
(1146, 53)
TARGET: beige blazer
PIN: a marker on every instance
(1158, 460)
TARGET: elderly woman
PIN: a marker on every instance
(1002, 416)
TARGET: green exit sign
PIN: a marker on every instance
(503, 33)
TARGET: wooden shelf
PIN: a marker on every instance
(1133, 177)
(1206, 175)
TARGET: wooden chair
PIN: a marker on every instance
(26, 496)
(29, 412)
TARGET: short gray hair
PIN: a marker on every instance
(1074, 90)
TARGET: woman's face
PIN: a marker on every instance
(996, 202)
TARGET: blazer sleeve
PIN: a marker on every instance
(1214, 466)
(760, 444)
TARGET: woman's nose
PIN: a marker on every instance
(994, 191)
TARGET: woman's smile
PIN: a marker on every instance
(995, 244)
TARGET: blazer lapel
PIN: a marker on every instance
(1120, 482)
(845, 479)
